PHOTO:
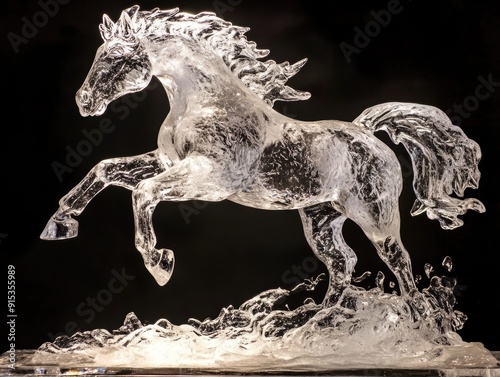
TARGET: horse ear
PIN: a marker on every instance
(124, 25)
(106, 28)
(136, 22)
(132, 11)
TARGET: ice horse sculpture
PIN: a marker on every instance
(222, 140)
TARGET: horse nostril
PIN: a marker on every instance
(84, 97)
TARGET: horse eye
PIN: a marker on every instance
(116, 51)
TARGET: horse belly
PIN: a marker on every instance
(287, 178)
(261, 198)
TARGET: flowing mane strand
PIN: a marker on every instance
(265, 78)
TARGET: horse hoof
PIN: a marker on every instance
(60, 229)
(162, 270)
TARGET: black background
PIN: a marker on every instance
(432, 53)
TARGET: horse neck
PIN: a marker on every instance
(192, 77)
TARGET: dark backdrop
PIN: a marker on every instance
(433, 53)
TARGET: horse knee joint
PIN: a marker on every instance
(102, 170)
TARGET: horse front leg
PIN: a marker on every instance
(195, 178)
(121, 171)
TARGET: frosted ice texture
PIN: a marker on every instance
(222, 140)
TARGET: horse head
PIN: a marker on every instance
(121, 64)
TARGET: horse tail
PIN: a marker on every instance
(444, 160)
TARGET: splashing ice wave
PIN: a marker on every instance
(366, 328)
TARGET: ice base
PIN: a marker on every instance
(77, 365)
(366, 333)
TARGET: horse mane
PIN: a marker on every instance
(265, 78)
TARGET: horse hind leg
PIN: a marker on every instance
(323, 230)
(380, 222)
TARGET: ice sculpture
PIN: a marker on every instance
(222, 140)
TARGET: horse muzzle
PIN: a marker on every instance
(87, 105)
